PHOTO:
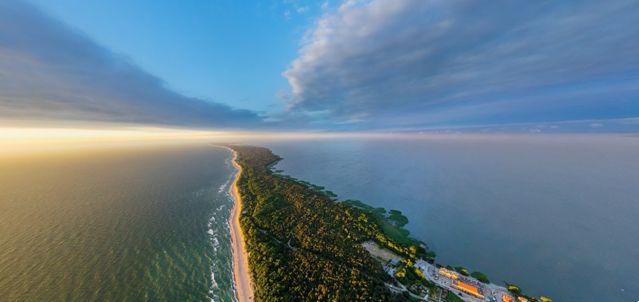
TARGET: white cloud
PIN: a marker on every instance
(386, 59)
(302, 9)
(49, 72)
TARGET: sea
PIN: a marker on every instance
(117, 224)
(557, 215)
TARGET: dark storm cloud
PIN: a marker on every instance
(416, 62)
(51, 72)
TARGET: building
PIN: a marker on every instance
(467, 288)
(422, 265)
(448, 273)
(506, 298)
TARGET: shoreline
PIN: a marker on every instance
(392, 266)
(241, 272)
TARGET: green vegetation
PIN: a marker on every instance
(453, 298)
(513, 288)
(480, 276)
(316, 188)
(462, 270)
(409, 275)
(517, 291)
(397, 218)
(303, 246)
(393, 236)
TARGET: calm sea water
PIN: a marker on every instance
(131, 224)
(556, 215)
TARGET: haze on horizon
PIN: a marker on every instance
(296, 65)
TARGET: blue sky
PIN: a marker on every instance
(362, 65)
(228, 51)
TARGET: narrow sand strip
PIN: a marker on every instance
(241, 272)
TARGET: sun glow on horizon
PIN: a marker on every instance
(16, 140)
(27, 140)
(74, 134)
(43, 139)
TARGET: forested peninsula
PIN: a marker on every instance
(304, 245)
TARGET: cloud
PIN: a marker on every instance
(293, 8)
(408, 63)
(51, 72)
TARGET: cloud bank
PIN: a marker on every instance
(51, 72)
(413, 63)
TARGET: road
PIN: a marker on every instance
(492, 292)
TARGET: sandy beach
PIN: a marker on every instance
(241, 272)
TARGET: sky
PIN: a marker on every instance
(351, 65)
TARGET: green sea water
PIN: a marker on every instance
(129, 224)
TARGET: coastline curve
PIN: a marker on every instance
(241, 272)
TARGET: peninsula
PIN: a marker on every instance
(302, 244)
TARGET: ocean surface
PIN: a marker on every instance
(557, 215)
(129, 224)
